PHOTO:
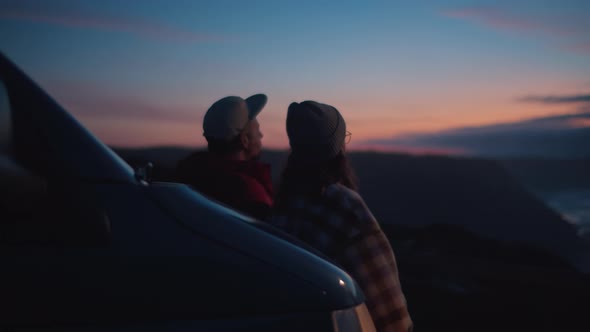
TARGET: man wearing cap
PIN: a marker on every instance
(229, 171)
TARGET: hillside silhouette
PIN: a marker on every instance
(549, 175)
(477, 194)
(476, 250)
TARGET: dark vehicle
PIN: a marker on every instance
(88, 244)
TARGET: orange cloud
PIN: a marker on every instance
(434, 117)
(579, 123)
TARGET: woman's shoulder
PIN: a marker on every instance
(344, 194)
(351, 201)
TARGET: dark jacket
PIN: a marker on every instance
(245, 185)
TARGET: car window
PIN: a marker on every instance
(35, 209)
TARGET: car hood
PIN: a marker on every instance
(333, 286)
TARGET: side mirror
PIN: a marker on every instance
(143, 173)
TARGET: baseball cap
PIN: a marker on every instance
(228, 116)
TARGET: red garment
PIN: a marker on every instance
(244, 185)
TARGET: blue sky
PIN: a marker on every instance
(141, 73)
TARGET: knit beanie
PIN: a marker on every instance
(316, 131)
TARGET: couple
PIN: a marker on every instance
(316, 201)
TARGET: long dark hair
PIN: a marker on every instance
(310, 180)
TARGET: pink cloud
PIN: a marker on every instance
(91, 102)
(561, 136)
(557, 99)
(574, 28)
(141, 28)
(579, 123)
(582, 48)
(493, 18)
(499, 19)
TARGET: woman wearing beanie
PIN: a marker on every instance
(317, 202)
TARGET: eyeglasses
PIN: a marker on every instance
(347, 137)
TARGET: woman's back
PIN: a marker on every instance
(317, 203)
(339, 224)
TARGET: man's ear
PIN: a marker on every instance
(244, 139)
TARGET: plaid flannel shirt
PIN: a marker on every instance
(341, 226)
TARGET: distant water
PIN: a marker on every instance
(574, 206)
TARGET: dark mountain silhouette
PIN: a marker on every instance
(455, 280)
(476, 250)
(477, 194)
(549, 175)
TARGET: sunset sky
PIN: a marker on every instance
(406, 75)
